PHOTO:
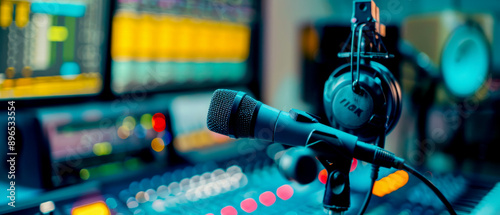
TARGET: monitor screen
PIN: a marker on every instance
(178, 44)
(52, 48)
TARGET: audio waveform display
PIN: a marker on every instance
(174, 44)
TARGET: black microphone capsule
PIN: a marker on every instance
(232, 113)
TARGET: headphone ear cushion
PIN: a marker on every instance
(398, 100)
(393, 95)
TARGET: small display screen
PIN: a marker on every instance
(166, 44)
(98, 140)
(52, 48)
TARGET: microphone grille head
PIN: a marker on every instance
(220, 111)
(223, 119)
(245, 115)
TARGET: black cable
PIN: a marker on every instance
(373, 176)
(368, 197)
(433, 188)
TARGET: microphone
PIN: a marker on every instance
(236, 114)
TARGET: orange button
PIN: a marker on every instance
(96, 208)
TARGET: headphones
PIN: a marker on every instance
(365, 106)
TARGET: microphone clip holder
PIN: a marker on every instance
(367, 29)
(336, 198)
(337, 162)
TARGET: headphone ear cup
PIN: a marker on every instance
(363, 114)
(353, 112)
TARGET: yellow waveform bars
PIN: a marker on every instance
(7, 12)
(88, 83)
(22, 14)
(145, 37)
(390, 183)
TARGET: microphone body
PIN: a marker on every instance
(294, 128)
(238, 115)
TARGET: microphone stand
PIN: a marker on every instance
(337, 191)
(336, 199)
(365, 22)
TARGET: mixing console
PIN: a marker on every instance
(254, 185)
(256, 188)
(259, 188)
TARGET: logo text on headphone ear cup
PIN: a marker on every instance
(352, 110)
